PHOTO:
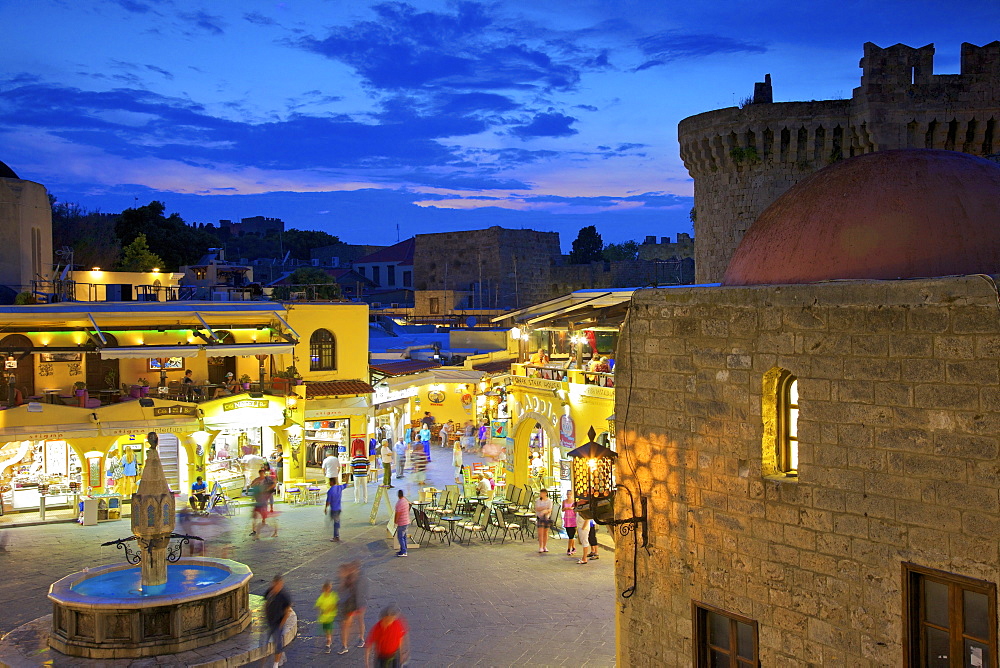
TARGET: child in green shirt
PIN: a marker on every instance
(327, 606)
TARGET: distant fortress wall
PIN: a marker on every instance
(742, 159)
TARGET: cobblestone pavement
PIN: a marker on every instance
(478, 604)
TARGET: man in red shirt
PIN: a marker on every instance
(389, 639)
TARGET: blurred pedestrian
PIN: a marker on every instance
(359, 468)
(445, 432)
(334, 505)
(351, 604)
(543, 518)
(386, 454)
(331, 465)
(484, 432)
(402, 522)
(388, 641)
(419, 461)
(583, 531)
(425, 440)
(456, 460)
(569, 522)
(400, 452)
(277, 605)
(327, 606)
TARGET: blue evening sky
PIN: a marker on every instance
(354, 117)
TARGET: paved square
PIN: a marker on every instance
(478, 604)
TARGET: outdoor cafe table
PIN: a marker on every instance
(451, 520)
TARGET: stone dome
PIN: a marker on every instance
(6, 172)
(892, 214)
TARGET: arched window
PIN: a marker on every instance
(780, 415)
(322, 351)
(788, 427)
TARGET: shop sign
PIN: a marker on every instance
(175, 410)
(595, 391)
(10, 364)
(245, 403)
(54, 436)
(498, 428)
(536, 383)
(383, 394)
(567, 432)
(135, 431)
(436, 397)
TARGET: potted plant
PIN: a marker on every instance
(294, 375)
(111, 379)
(245, 381)
(79, 388)
(143, 386)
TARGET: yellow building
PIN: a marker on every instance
(548, 403)
(84, 382)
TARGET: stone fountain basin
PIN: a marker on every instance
(131, 625)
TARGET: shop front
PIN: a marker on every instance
(239, 430)
(331, 424)
(39, 467)
(391, 401)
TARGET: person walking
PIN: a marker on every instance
(327, 606)
(456, 460)
(352, 604)
(484, 432)
(543, 517)
(277, 605)
(386, 455)
(569, 522)
(331, 464)
(419, 461)
(388, 640)
(334, 504)
(445, 432)
(359, 467)
(400, 451)
(583, 531)
(256, 492)
(402, 522)
(425, 441)
(468, 436)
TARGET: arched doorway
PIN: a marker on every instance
(102, 373)
(533, 429)
(14, 345)
(219, 366)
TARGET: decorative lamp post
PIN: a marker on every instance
(593, 484)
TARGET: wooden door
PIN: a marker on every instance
(24, 375)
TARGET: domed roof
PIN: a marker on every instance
(891, 214)
(6, 172)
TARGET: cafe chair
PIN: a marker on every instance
(504, 525)
(479, 524)
(424, 523)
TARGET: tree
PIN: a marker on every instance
(316, 283)
(627, 250)
(587, 246)
(91, 235)
(168, 236)
(300, 242)
(137, 256)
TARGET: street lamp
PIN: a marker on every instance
(593, 482)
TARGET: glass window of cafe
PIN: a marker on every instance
(322, 435)
(558, 343)
(27, 466)
(233, 443)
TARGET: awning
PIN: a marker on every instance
(149, 352)
(246, 349)
(127, 427)
(443, 375)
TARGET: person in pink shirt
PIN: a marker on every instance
(569, 522)
(402, 522)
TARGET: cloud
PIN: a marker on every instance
(205, 21)
(259, 19)
(467, 103)
(562, 205)
(668, 46)
(160, 71)
(546, 125)
(134, 6)
(468, 49)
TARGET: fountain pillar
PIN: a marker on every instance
(153, 507)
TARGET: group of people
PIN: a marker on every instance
(575, 525)
(387, 641)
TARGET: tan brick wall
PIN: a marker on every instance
(900, 434)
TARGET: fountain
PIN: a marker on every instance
(124, 611)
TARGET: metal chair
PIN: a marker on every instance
(507, 527)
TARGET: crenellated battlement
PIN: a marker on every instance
(742, 159)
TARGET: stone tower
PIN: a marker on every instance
(742, 159)
(25, 234)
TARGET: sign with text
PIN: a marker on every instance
(245, 403)
(175, 410)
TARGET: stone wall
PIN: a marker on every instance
(624, 274)
(899, 429)
(501, 268)
(743, 159)
(25, 236)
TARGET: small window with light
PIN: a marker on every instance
(780, 416)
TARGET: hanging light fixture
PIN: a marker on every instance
(594, 484)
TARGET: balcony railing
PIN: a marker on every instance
(561, 373)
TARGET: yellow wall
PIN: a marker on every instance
(348, 322)
(451, 408)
